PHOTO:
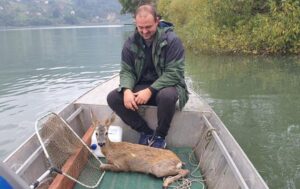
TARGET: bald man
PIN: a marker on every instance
(152, 73)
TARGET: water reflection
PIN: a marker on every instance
(258, 99)
(43, 70)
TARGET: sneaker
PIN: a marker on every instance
(157, 142)
(144, 138)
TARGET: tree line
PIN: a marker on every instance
(59, 12)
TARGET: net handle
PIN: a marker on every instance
(40, 138)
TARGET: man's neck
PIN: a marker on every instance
(148, 42)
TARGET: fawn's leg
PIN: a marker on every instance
(182, 173)
(109, 167)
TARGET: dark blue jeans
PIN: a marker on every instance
(165, 100)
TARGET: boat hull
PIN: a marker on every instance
(222, 161)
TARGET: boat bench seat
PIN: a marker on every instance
(97, 96)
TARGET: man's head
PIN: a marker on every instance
(146, 21)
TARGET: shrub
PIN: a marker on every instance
(236, 26)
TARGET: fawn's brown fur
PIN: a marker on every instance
(125, 156)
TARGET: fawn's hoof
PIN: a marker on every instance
(102, 168)
(165, 186)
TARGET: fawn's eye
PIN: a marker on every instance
(106, 134)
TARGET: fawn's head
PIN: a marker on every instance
(101, 128)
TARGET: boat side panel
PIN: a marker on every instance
(248, 171)
(18, 157)
(76, 123)
(35, 169)
(214, 167)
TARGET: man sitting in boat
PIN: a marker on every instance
(152, 73)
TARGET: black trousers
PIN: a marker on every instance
(165, 100)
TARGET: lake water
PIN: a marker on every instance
(258, 99)
(42, 70)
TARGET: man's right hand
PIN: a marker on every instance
(129, 101)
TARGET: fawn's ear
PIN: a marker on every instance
(94, 118)
(109, 121)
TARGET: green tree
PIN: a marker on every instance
(235, 26)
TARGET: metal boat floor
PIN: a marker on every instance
(130, 180)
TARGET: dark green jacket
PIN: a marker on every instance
(168, 59)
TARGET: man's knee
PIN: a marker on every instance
(114, 98)
(167, 95)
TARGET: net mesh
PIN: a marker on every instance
(68, 152)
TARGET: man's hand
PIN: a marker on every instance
(143, 96)
(129, 100)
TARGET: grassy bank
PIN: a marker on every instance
(236, 26)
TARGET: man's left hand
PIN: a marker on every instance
(142, 96)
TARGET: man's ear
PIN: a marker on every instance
(157, 21)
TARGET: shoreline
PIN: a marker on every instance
(62, 27)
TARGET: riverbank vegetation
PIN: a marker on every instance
(236, 26)
(17, 13)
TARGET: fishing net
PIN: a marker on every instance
(68, 154)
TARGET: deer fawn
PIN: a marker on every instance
(125, 156)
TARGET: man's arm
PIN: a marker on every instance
(127, 73)
(127, 77)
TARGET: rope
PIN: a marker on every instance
(186, 183)
(209, 136)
